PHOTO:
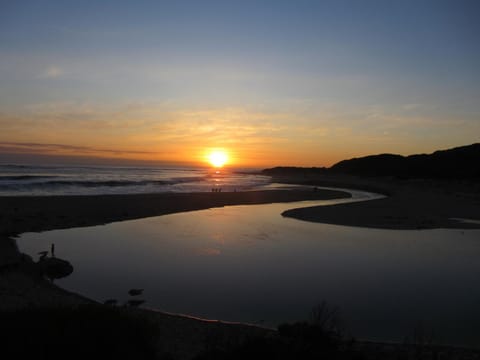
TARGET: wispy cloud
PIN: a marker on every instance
(52, 72)
(300, 133)
(42, 148)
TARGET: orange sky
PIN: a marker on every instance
(253, 138)
(299, 83)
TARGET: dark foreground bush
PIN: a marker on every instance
(294, 341)
(89, 332)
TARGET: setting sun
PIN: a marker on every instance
(217, 158)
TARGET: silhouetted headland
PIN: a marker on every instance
(457, 163)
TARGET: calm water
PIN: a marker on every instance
(93, 180)
(247, 263)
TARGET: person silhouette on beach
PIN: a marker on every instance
(52, 250)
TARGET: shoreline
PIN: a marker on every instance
(398, 212)
(19, 214)
(408, 205)
(22, 287)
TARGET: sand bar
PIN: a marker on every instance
(403, 211)
(409, 205)
(19, 285)
(40, 213)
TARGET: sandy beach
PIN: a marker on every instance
(21, 286)
(407, 207)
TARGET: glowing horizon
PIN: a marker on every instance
(161, 82)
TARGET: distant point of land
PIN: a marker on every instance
(456, 163)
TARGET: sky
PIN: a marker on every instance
(305, 83)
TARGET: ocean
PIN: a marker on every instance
(34, 180)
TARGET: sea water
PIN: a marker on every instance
(94, 180)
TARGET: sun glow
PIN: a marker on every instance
(217, 158)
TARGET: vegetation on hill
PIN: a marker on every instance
(457, 163)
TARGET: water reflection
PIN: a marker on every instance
(247, 263)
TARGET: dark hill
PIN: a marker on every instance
(371, 165)
(292, 170)
(457, 163)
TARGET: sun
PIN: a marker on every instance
(217, 158)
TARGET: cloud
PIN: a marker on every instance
(302, 133)
(52, 72)
(42, 148)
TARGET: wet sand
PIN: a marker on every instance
(407, 210)
(409, 205)
(41, 213)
